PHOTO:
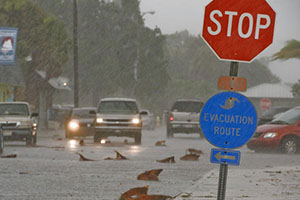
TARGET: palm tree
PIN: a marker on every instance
(291, 50)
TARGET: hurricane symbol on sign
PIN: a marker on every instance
(229, 103)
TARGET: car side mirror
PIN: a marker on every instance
(34, 115)
(92, 112)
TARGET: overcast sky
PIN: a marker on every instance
(177, 15)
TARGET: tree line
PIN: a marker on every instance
(118, 54)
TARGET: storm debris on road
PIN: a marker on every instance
(140, 193)
(82, 158)
(190, 157)
(118, 157)
(167, 160)
(151, 175)
(81, 143)
(193, 151)
(134, 192)
(161, 143)
(9, 156)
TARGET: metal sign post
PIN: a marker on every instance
(234, 68)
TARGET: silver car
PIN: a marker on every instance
(118, 117)
(18, 122)
(184, 117)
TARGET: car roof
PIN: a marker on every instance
(15, 102)
(117, 99)
(85, 108)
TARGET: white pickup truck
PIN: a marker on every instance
(18, 123)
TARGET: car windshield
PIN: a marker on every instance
(82, 113)
(289, 117)
(118, 107)
(273, 111)
(187, 106)
(14, 109)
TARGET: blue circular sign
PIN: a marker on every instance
(228, 120)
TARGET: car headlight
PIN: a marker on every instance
(99, 120)
(73, 125)
(270, 135)
(135, 120)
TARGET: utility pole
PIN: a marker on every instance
(137, 59)
(75, 54)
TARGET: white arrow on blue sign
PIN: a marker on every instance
(228, 120)
(225, 156)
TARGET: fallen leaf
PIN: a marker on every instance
(193, 151)
(167, 160)
(10, 156)
(82, 158)
(161, 143)
(118, 157)
(81, 143)
(134, 192)
(190, 157)
(151, 175)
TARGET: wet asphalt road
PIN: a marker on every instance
(52, 169)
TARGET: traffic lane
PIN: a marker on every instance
(52, 169)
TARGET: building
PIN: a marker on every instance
(266, 95)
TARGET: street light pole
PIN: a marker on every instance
(75, 54)
(137, 60)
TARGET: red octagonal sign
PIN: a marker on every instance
(238, 30)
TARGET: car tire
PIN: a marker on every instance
(170, 133)
(138, 138)
(29, 140)
(1, 142)
(97, 138)
(290, 145)
(34, 138)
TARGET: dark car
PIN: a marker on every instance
(282, 133)
(80, 123)
(184, 117)
(272, 113)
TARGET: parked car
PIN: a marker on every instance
(272, 113)
(118, 117)
(18, 122)
(148, 120)
(184, 117)
(282, 133)
(80, 123)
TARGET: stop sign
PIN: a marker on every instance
(265, 103)
(238, 30)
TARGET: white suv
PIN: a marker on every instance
(118, 117)
(184, 117)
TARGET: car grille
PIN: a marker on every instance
(257, 134)
(117, 120)
(8, 125)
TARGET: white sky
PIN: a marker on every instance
(176, 15)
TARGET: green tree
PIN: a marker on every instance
(289, 51)
(112, 40)
(192, 62)
(42, 37)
